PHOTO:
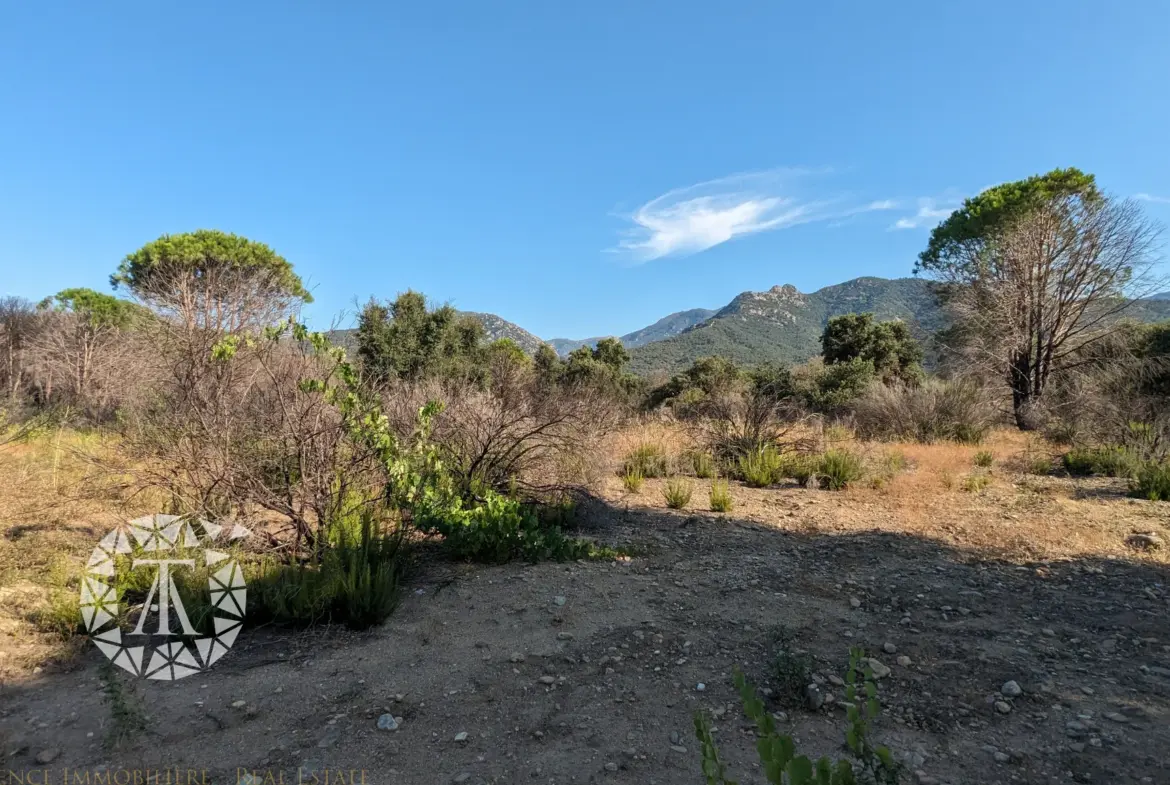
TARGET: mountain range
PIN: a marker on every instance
(780, 325)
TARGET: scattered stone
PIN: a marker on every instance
(559, 600)
(1145, 541)
(889, 648)
(1011, 689)
(47, 756)
(674, 737)
(611, 766)
(678, 748)
(462, 776)
(904, 661)
(1087, 690)
(813, 697)
(700, 686)
(1001, 757)
(836, 681)
(461, 736)
(516, 657)
(239, 704)
(880, 671)
(1051, 633)
(547, 680)
(854, 602)
(1003, 707)
(564, 636)
(387, 722)
(1116, 717)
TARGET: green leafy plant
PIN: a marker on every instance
(984, 459)
(801, 467)
(1114, 461)
(839, 468)
(720, 496)
(761, 468)
(703, 464)
(1152, 481)
(779, 760)
(888, 465)
(677, 493)
(649, 459)
(633, 480)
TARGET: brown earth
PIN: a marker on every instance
(1030, 580)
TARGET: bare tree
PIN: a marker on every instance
(1029, 288)
(19, 325)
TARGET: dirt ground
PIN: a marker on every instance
(592, 672)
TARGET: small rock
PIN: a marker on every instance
(1051, 633)
(611, 766)
(238, 704)
(462, 776)
(889, 648)
(678, 748)
(1087, 690)
(674, 737)
(854, 602)
(904, 661)
(836, 681)
(1145, 541)
(564, 636)
(387, 722)
(558, 600)
(47, 756)
(461, 736)
(1001, 757)
(813, 697)
(1003, 707)
(547, 680)
(880, 671)
(700, 686)
(1011, 689)
(516, 657)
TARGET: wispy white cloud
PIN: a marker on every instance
(930, 211)
(692, 219)
(1152, 198)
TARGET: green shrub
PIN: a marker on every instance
(1106, 461)
(702, 464)
(974, 483)
(720, 496)
(838, 468)
(801, 467)
(1152, 481)
(761, 468)
(677, 493)
(984, 459)
(633, 480)
(778, 754)
(649, 459)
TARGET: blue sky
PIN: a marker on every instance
(578, 168)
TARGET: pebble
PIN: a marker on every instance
(387, 722)
(889, 648)
(462, 776)
(813, 697)
(674, 737)
(611, 766)
(47, 756)
(678, 748)
(564, 636)
(854, 602)
(904, 661)
(558, 600)
(547, 680)
(516, 657)
(880, 671)
(1003, 707)
(700, 686)
(461, 736)
(1011, 689)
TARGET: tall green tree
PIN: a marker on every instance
(1033, 271)
(406, 339)
(895, 355)
(210, 279)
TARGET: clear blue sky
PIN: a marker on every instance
(569, 166)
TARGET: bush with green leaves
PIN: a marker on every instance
(779, 758)
(720, 496)
(633, 480)
(677, 492)
(649, 460)
(761, 468)
(702, 464)
(801, 467)
(1152, 481)
(974, 483)
(839, 468)
(1114, 461)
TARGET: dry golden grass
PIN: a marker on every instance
(1008, 513)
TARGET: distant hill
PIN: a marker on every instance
(662, 329)
(784, 325)
(1160, 296)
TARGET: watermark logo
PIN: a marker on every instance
(163, 642)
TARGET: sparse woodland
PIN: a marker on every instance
(195, 388)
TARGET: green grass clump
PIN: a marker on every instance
(984, 459)
(703, 464)
(1106, 461)
(720, 496)
(801, 467)
(761, 468)
(974, 483)
(839, 468)
(1152, 481)
(632, 480)
(677, 493)
(649, 459)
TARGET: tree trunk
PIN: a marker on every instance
(1023, 395)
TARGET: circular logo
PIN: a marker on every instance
(143, 559)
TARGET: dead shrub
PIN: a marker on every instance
(936, 410)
